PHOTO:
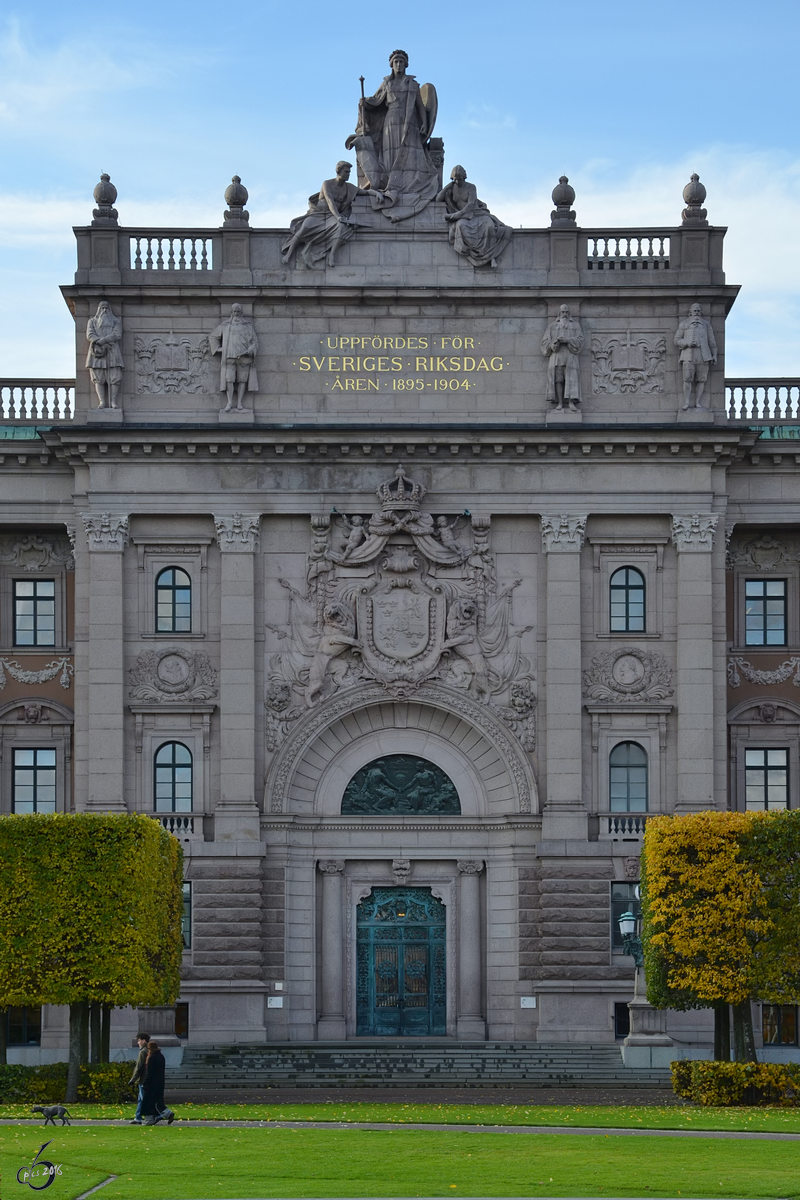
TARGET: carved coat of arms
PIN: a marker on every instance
(400, 598)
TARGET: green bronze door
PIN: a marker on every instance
(401, 975)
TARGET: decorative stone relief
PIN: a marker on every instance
(628, 675)
(33, 554)
(48, 672)
(633, 868)
(740, 666)
(172, 674)
(104, 357)
(628, 362)
(106, 531)
(695, 338)
(400, 599)
(72, 534)
(469, 866)
(237, 345)
(171, 364)
(564, 532)
(764, 553)
(239, 532)
(401, 870)
(332, 866)
(32, 714)
(695, 532)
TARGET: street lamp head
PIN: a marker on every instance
(627, 924)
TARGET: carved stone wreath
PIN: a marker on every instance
(172, 674)
(628, 675)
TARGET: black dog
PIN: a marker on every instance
(54, 1110)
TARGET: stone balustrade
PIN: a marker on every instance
(27, 400)
(773, 401)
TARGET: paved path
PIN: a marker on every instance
(589, 1131)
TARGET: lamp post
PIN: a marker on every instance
(648, 1044)
(631, 938)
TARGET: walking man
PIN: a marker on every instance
(153, 1108)
(138, 1074)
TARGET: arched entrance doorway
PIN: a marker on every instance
(401, 983)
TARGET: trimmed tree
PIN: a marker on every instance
(720, 905)
(90, 914)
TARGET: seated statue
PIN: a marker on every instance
(327, 225)
(474, 232)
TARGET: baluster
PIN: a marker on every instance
(182, 258)
(149, 259)
(137, 262)
(594, 242)
(628, 242)
(794, 400)
(4, 400)
(193, 256)
(204, 259)
(171, 259)
(605, 247)
(160, 258)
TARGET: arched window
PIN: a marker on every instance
(627, 601)
(627, 765)
(173, 601)
(401, 783)
(173, 782)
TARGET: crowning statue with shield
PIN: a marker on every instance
(391, 142)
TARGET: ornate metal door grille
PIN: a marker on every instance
(401, 988)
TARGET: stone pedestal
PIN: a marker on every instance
(159, 1022)
(105, 416)
(648, 1044)
(471, 1025)
(696, 416)
(332, 1025)
(563, 417)
(237, 416)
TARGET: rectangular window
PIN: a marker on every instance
(182, 1020)
(765, 612)
(623, 899)
(34, 612)
(779, 1024)
(622, 1020)
(186, 918)
(23, 1026)
(766, 774)
(34, 781)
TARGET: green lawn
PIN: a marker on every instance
(205, 1164)
(763, 1120)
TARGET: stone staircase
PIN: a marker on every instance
(388, 1063)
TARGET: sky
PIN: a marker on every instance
(173, 98)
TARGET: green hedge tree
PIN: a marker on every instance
(90, 915)
(721, 916)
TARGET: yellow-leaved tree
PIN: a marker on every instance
(90, 913)
(721, 916)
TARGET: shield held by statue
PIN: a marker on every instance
(402, 630)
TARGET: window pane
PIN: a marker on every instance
(754, 758)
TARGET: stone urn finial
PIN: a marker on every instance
(236, 195)
(104, 196)
(693, 196)
(563, 198)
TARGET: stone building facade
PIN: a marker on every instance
(399, 593)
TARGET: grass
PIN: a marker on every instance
(757, 1120)
(209, 1164)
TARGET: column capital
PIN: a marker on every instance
(331, 866)
(563, 532)
(238, 533)
(106, 531)
(470, 866)
(694, 533)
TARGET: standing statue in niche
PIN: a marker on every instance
(236, 342)
(474, 232)
(698, 350)
(561, 345)
(104, 359)
(391, 141)
(328, 224)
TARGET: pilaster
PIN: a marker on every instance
(104, 695)
(471, 1023)
(332, 1025)
(562, 540)
(237, 814)
(693, 538)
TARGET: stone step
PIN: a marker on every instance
(378, 1064)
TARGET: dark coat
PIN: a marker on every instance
(153, 1082)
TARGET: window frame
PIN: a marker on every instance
(645, 554)
(765, 581)
(157, 553)
(35, 768)
(15, 599)
(790, 573)
(748, 730)
(627, 588)
(173, 766)
(172, 590)
(764, 771)
(186, 916)
(777, 1010)
(627, 742)
(26, 1041)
